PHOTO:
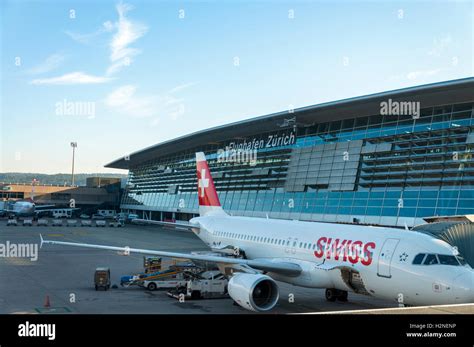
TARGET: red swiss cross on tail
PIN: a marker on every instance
(208, 200)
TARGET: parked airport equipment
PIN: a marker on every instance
(205, 285)
(178, 280)
(131, 217)
(71, 223)
(12, 223)
(86, 223)
(160, 273)
(107, 213)
(100, 223)
(42, 223)
(126, 217)
(153, 264)
(57, 223)
(28, 222)
(160, 276)
(116, 223)
(102, 278)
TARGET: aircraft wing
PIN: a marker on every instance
(173, 224)
(43, 206)
(284, 268)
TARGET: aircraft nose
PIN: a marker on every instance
(464, 287)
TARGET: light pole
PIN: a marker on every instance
(73, 145)
(33, 182)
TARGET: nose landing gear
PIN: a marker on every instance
(333, 294)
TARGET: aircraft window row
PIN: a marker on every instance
(280, 242)
(306, 245)
(436, 259)
(274, 241)
(303, 245)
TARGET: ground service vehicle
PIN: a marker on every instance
(205, 285)
(102, 278)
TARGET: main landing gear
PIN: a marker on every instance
(333, 294)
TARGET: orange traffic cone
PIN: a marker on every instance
(46, 302)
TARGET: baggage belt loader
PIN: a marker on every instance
(161, 274)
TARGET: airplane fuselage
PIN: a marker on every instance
(375, 261)
(23, 209)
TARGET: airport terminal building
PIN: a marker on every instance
(390, 158)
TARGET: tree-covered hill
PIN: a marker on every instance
(55, 179)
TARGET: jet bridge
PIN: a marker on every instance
(456, 231)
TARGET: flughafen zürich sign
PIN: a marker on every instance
(270, 141)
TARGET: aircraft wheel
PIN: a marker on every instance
(343, 296)
(331, 294)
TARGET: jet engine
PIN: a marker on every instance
(253, 292)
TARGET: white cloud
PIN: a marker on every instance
(51, 63)
(181, 87)
(180, 110)
(125, 100)
(106, 27)
(127, 33)
(155, 122)
(420, 74)
(72, 78)
(121, 54)
(440, 44)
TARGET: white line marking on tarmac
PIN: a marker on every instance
(393, 309)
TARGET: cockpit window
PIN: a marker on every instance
(419, 259)
(435, 259)
(431, 260)
(448, 260)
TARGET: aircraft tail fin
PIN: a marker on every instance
(208, 200)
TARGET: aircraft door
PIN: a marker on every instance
(385, 257)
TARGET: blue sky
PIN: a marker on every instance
(157, 70)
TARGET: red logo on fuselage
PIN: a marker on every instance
(345, 250)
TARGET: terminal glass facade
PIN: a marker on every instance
(386, 170)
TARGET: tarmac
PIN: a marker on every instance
(64, 276)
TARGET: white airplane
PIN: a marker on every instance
(399, 265)
(27, 209)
